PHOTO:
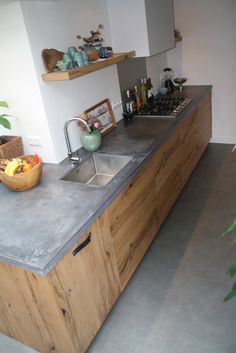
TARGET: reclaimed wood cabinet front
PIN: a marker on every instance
(133, 221)
(168, 175)
(87, 284)
(62, 312)
(195, 135)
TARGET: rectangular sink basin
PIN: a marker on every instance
(98, 170)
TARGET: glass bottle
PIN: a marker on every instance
(138, 103)
(143, 93)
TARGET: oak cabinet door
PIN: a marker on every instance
(168, 175)
(87, 284)
(133, 222)
(196, 132)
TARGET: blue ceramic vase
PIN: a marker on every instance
(91, 141)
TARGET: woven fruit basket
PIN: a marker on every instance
(27, 179)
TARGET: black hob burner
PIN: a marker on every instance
(164, 107)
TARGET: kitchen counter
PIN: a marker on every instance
(40, 225)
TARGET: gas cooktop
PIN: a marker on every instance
(164, 107)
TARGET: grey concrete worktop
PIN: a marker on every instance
(38, 226)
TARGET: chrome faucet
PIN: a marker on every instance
(73, 158)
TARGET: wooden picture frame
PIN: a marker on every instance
(103, 112)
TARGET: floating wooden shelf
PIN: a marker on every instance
(74, 73)
(178, 39)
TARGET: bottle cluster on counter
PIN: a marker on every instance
(138, 97)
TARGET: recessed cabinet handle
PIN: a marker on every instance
(82, 245)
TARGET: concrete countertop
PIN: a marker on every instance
(38, 226)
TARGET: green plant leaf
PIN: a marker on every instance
(231, 294)
(4, 122)
(232, 269)
(231, 227)
(3, 104)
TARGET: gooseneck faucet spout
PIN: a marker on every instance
(73, 158)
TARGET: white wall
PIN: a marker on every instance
(155, 65)
(207, 55)
(19, 84)
(26, 28)
(55, 24)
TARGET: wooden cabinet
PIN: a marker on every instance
(133, 221)
(147, 26)
(62, 312)
(195, 134)
(168, 175)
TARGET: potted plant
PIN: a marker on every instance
(90, 137)
(232, 269)
(92, 43)
(10, 146)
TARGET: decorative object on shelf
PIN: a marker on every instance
(105, 52)
(28, 176)
(104, 114)
(68, 59)
(62, 65)
(85, 57)
(50, 58)
(93, 55)
(180, 81)
(72, 51)
(10, 146)
(177, 35)
(75, 73)
(92, 43)
(78, 59)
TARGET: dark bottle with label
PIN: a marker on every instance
(150, 90)
(129, 102)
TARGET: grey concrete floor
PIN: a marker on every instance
(173, 303)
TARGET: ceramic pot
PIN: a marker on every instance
(78, 59)
(91, 141)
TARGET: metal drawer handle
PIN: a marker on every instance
(82, 245)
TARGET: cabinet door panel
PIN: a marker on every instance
(133, 222)
(87, 285)
(168, 175)
(30, 312)
(196, 133)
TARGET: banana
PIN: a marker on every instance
(12, 167)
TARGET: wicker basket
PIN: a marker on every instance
(12, 148)
(23, 181)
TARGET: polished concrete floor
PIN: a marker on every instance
(174, 302)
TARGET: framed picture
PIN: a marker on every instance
(102, 112)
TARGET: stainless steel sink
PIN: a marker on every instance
(98, 170)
